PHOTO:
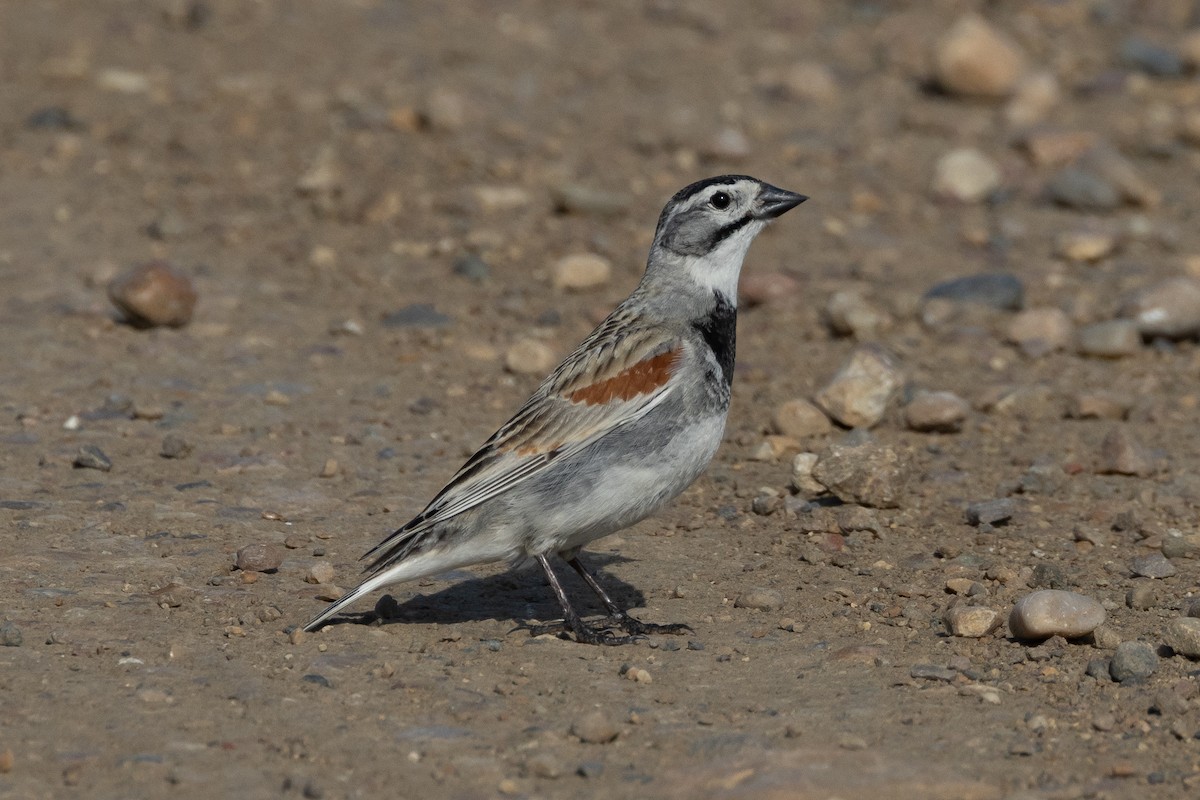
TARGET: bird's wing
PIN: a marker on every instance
(609, 381)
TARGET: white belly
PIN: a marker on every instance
(626, 491)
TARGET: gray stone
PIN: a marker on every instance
(991, 512)
(175, 446)
(1122, 454)
(10, 635)
(1182, 635)
(472, 267)
(1177, 544)
(595, 727)
(1142, 597)
(1098, 668)
(1083, 189)
(936, 412)
(1053, 612)
(417, 315)
(1152, 565)
(863, 471)
(1151, 58)
(932, 672)
(1132, 661)
(259, 557)
(90, 456)
(997, 290)
(858, 395)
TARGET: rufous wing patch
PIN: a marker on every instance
(643, 377)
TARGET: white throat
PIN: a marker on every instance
(719, 269)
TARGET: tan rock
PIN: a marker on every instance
(975, 59)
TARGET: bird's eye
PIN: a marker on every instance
(720, 201)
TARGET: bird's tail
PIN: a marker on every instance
(367, 586)
(419, 565)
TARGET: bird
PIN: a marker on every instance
(622, 426)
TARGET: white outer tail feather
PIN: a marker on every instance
(433, 562)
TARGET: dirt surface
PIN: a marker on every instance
(315, 167)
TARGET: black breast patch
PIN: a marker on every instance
(719, 330)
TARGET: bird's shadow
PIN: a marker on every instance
(520, 594)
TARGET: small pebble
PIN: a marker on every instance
(975, 59)
(995, 290)
(971, 621)
(595, 727)
(1151, 58)
(582, 271)
(1114, 338)
(544, 765)
(1153, 565)
(417, 315)
(259, 557)
(1082, 189)
(10, 635)
(1170, 309)
(1177, 544)
(1085, 246)
(932, 672)
(1100, 405)
(1053, 612)
(1182, 635)
(850, 314)
(319, 572)
(575, 198)
(1040, 331)
(1098, 668)
(965, 175)
(760, 599)
(936, 412)
(472, 267)
(154, 294)
(1122, 454)
(90, 456)
(1132, 661)
(329, 592)
(800, 419)
(859, 394)
(991, 512)
(760, 288)
(1141, 597)
(802, 474)
(1035, 97)
(175, 446)
(329, 468)
(638, 675)
(530, 357)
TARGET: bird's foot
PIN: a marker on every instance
(636, 627)
(600, 632)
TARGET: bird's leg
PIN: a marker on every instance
(584, 633)
(618, 617)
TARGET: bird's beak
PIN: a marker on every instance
(775, 202)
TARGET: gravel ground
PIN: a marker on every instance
(393, 218)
